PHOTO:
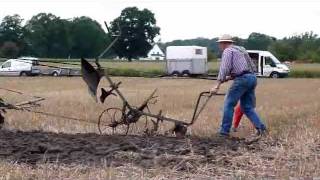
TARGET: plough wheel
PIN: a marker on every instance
(110, 121)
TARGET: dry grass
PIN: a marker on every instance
(305, 66)
(159, 65)
(137, 65)
(290, 108)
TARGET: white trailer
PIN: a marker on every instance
(186, 60)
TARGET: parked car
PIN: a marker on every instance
(19, 67)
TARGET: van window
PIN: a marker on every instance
(6, 65)
(268, 61)
(199, 51)
(35, 62)
(255, 58)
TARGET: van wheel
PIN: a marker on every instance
(275, 75)
(23, 74)
(55, 74)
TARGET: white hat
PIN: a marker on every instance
(225, 38)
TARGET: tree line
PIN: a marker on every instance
(46, 35)
(304, 47)
(49, 36)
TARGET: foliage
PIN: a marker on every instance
(138, 30)
(11, 35)
(9, 49)
(257, 41)
(211, 55)
(87, 37)
(304, 47)
(47, 35)
(11, 29)
(51, 36)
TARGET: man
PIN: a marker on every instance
(237, 65)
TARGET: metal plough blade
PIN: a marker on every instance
(91, 76)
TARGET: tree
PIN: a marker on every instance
(9, 49)
(51, 36)
(12, 33)
(138, 30)
(211, 56)
(308, 47)
(303, 47)
(259, 41)
(48, 36)
(88, 38)
(283, 50)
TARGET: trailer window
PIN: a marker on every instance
(6, 65)
(199, 51)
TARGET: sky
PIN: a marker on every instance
(185, 19)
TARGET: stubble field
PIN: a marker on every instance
(290, 108)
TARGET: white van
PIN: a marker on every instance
(19, 67)
(267, 65)
(186, 60)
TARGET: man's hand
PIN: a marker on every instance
(228, 78)
(214, 90)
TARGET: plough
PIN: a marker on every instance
(114, 118)
(122, 118)
(128, 115)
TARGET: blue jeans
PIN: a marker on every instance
(243, 89)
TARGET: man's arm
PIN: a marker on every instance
(225, 66)
(224, 70)
(250, 62)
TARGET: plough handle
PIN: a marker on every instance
(207, 94)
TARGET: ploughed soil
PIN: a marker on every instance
(182, 154)
(147, 151)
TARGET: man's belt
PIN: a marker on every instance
(241, 74)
